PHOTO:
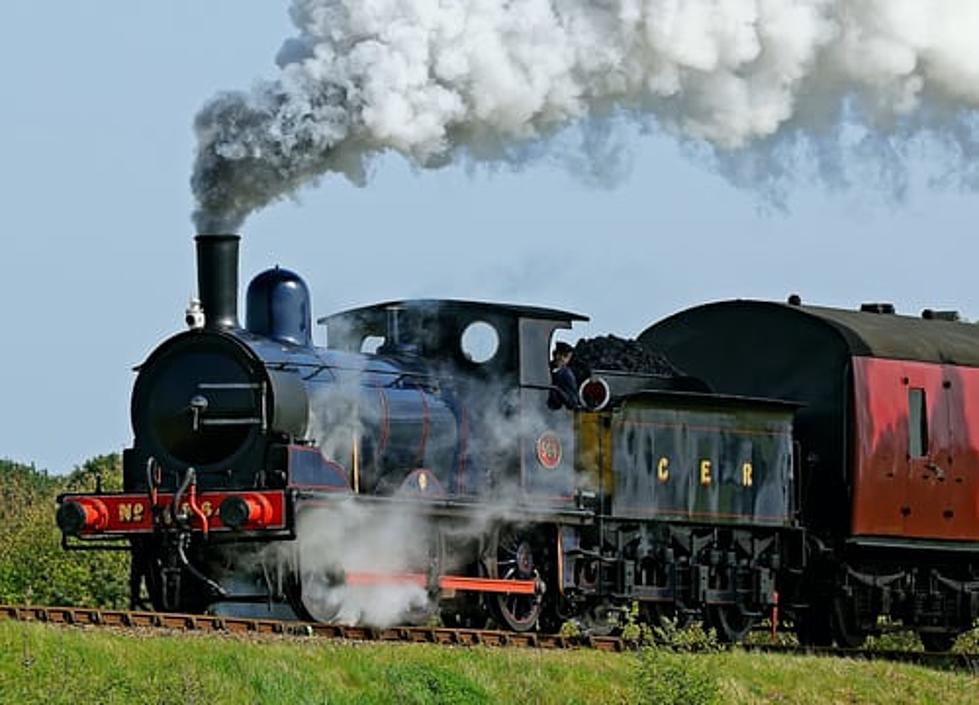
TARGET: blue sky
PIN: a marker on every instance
(97, 258)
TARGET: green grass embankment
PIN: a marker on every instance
(45, 664)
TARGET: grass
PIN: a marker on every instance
(39, 663)
(46, 664)
(770, 678)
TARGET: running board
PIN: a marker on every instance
(445, 582)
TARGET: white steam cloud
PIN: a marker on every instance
(764, 85)
(348, 539)
(399, 535)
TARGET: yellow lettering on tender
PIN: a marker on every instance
(125, 512)
(207, 508)
(746, 478)
(705, 467)
(138, 510)
(663, 469)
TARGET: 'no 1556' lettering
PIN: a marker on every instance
(134, 512)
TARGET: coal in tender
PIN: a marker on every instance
(609, 352)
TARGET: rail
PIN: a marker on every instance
(125, 619)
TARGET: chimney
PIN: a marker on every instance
(217, 279)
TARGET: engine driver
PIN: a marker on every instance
(564, 386)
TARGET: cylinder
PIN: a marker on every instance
(217, 279)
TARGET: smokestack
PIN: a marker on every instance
(217, 279)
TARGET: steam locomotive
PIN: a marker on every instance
(809, 463)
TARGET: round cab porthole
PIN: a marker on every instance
(479, 342)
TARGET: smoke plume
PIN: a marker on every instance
(764, 87)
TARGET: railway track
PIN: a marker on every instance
(80, 616)
(137, 620)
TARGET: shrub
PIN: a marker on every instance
(689, 639)
(893, 638)
(570, 629)
(34, 569)
(968, 643)
(634, 630)
(784, 635)
(667, 678)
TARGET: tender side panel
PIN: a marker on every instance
(916, 449)
(709, 463)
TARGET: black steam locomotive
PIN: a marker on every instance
(433, 474)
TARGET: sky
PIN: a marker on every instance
(96, 148)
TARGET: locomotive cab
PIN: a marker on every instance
(492, 361)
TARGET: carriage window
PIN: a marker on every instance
(917, 423)
(479, 342)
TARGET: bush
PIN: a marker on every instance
(667, 678)
(784, 636)
(968, 643)
(570, 630)
(893, 638)
(34, 569)
(634, 630)
(690, 639)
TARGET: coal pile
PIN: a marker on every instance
(609, 352)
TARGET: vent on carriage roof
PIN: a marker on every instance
(877, 308)
(932, 315)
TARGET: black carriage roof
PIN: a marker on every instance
(884, 335)
(457, 306)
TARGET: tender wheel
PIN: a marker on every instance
(666, 616)
(730, 622)
(938, 641)
(828, 621)
(813, 628)
(516, 553)
(845, 625)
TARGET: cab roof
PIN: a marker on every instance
(457, 306)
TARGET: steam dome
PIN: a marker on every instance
(278, 307)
